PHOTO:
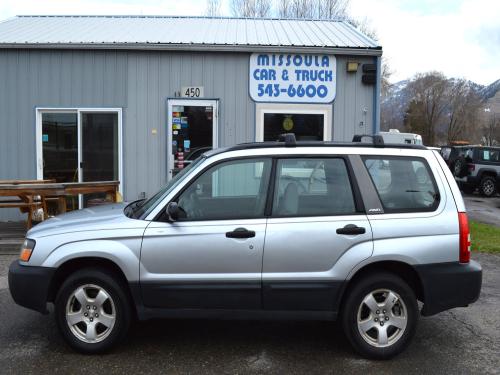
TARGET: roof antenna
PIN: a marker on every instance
(288, 138)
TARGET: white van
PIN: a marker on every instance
(394, 136)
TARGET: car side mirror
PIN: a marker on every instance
(172, 211)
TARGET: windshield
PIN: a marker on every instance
(146, 205)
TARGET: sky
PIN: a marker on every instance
(460, 38)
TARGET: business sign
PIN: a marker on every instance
(289, 78)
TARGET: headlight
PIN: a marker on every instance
(26, 250)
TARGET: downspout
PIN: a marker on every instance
(376, 95)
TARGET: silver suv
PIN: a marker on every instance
(296, 230)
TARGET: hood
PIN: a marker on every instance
(109, 216)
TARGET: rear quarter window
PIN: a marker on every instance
(489, 155)
(404, 184)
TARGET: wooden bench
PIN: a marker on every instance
(33, 195)
(25, 206)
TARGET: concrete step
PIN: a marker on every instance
(11, 236)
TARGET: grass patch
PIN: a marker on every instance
(485, 238)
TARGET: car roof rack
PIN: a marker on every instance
(289, 140)
(378, 140)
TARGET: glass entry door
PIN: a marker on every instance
(192, 130)
(99, 151)
(79, 146)
(60, 150)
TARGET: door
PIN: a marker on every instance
(99, 152)
(192, 130)
(315, 224)
(58, 146)
(211, 257)
(79, 145)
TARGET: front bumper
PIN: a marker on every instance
(449, 285)
(29, 285)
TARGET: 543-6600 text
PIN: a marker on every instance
(275, 90)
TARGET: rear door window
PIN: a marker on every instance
(312, 187)
(404, 184)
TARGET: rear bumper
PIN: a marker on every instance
(449, 285)
(29, 285)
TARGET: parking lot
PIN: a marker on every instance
(484, 210)
(460, 341)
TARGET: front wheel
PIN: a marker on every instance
(92, 311)
(380, 315)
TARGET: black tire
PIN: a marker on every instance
(118, 303)
(355, 296)
(487, 186)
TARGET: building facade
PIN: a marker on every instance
(137, 98)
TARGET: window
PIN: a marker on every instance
(403, 184)
(306, 127)
(307, 121)
(231, 190)
(490, 155)
(312, 187)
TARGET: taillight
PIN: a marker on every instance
(464, 233)
(471, 167)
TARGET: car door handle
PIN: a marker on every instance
(240, 233)
(351, 229)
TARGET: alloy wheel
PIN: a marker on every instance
(90, 313)
(382, 318)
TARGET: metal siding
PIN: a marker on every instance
(48, 78)
(140, 82)
(352, 96)
(155, 76)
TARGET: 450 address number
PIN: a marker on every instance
(275, 90)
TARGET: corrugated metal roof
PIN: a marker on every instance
(180, 32)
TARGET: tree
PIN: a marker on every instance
(213, 8)
(385, 74)
(250, 8)
(313, 9)
(426, 110)
(463, 110)
(491, 130)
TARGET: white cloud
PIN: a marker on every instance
(460, 41)
(106, 7)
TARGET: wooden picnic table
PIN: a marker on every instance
(27, 193)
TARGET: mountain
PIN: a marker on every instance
(395, 103)
(488, 92)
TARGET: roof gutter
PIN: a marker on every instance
(352, 51)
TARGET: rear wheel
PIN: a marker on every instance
(92, 311)
(487, 186)
(380, 315)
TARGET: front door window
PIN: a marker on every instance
(231, 190)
